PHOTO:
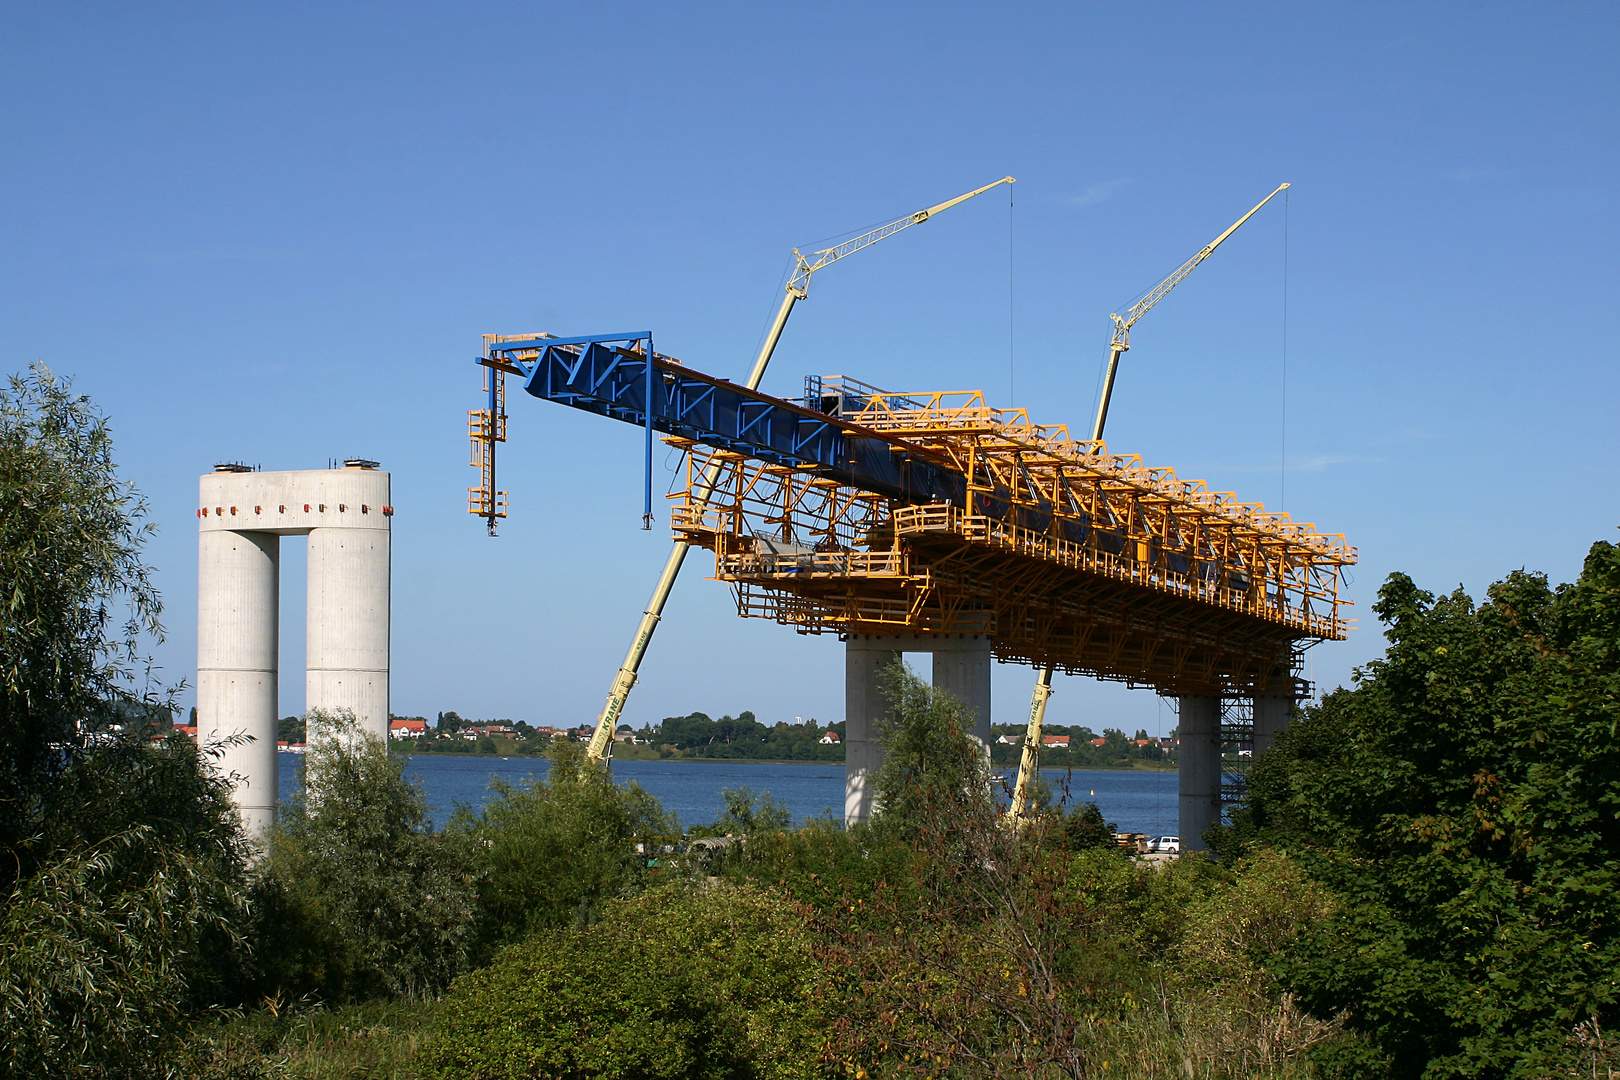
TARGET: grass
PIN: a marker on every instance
(378, 1041)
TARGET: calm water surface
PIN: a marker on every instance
(1144, 802)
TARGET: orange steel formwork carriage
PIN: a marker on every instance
(1061, 552)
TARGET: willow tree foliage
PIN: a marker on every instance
(76, 600)
(1463, 801)
(122, 870)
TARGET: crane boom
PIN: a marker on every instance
(798, 288)
(1122, 325)
(800, 283)
(1029, 761)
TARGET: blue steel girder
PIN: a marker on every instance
(603, 374)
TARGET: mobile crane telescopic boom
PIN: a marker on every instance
(1029, 762)
(798, 288)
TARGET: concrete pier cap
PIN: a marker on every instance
(242, 514)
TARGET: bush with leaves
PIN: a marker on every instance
(681, 983)
(133, 927)
(971, 962)
(554, 850)
(358, 897)
(1463, 803)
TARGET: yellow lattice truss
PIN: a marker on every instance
(1063, 554)
(485, 428)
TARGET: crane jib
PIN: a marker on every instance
(603, 375)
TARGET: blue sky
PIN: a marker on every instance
(275, 232)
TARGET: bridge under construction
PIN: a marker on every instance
(934, 522)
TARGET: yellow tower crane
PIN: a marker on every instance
(798, 288)
(1029, 762)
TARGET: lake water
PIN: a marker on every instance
(1144, 802)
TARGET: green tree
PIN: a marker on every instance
(79, 601)
(748, 813)
(358, 897)
(556, 850)
(966, 965)
(933, 774)
(122, 870)
(1463, 802)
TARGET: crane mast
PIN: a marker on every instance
(1029, 760)
(798, 288)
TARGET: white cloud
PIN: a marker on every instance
(1096, 193)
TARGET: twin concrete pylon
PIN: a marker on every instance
(242, 516)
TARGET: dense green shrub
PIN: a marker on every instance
(553, 851)
(681, 983)
(825, 866)
(1463, 802)
(134, 925)
(358, 897)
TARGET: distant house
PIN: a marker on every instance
(187, 729)
(405, 729)
(1143, 742)
(1054, 740)
(830, 739)
(1099, 742)
(1012, 740)
(626, 735)
(1167, 742)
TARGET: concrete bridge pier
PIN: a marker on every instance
(865, 708)
(1271, 713)
(1200, 774)
(962, 664)
(1199, 728)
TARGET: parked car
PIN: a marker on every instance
(1165, 844)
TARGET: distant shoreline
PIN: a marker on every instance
(766, 761)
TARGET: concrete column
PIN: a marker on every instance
(1271, 714)
(864, 706)
(962, 664)
(238, 628)
(348, 621)
(1199, 728)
